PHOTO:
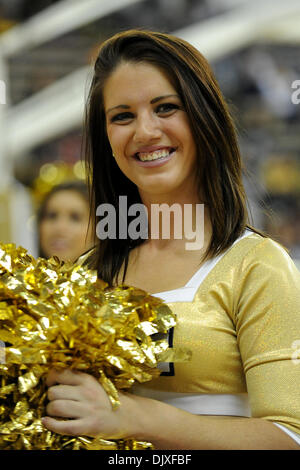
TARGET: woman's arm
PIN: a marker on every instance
(80, 397)
(168, 427)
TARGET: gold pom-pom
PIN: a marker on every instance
(59, 315)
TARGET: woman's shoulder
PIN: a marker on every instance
(262, 251)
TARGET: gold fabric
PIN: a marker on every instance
(243, 327)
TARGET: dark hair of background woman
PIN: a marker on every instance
(76, 186)
(219, 166)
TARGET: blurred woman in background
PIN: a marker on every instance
(63, 222)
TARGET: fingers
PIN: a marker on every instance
(64, 392)
(78, 396)
(66, 377)
(74, 427)
(66, 409)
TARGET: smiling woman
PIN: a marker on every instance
(158, 131)
(150, 93)
(152, 140)
(63, 221)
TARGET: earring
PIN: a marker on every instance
(113, 155)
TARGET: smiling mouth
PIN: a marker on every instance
(59, 244)
(151, 156)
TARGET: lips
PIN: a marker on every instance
(157, 162)
(153, 153)
(59, 244)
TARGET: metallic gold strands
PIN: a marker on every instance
(59, 315)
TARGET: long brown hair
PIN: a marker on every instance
(219, 166)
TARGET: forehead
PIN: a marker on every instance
(66, 199)
(135, 81)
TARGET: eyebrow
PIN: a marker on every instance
(155, 100)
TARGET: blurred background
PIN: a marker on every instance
(47, 49)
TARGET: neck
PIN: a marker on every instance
(180, 226)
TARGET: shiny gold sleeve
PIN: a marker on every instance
(268, 333)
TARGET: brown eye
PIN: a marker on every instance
(165, 108)
(74, 217)
(50, 215)
(122, 117)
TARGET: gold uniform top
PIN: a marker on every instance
(240, 317)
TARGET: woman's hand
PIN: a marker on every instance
(80, 399)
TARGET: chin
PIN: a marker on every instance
(63, 257)
(160, 189)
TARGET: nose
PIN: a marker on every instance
(60, 226)
(147, 129)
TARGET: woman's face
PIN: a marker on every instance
(149, 131)
(63, 229)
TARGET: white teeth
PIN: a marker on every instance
(144, 157)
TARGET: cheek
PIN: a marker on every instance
(118, 138)
(79, 231)
(44, 238)
(45, 230)
(112, 137)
